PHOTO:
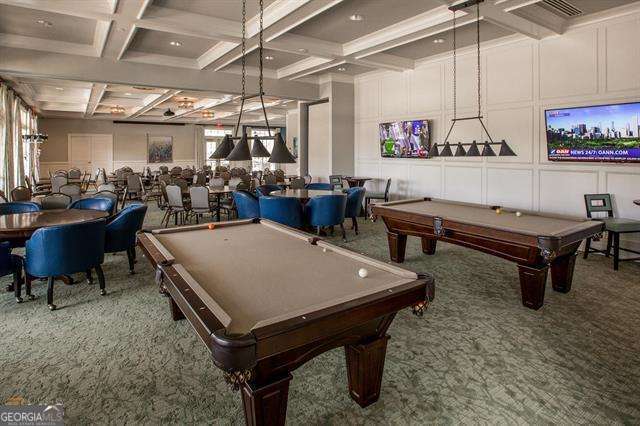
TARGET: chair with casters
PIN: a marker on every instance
(602, 203)
(121, 232)
(199, 201)
(267, 189)
(297, 183)
(72, 190)
(55, 201)
(15, 207)
(48, 253)
(327, 210)
(247, 205)
(377, 196)
(13, 264)
(284, 210)
(355, 196)
(21, 193)
(102, 204)
(321, 186)
(336, 181)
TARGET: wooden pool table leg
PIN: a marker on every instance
(562, 272)
(176, 313)
(429, 245)
(266, 404)
(532, 284)
(365, 365)
(397, 246)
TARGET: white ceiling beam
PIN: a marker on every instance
(99, 10)
(202, 105)
(544, 18)
(512, 22)
(386, 61)
(297, 67)
(105, 70)
(303, 45)
(511, 5)
(156, 59)
(316, 69)
(153, 101)
(97, 92)
(46, 45)
(100, 36)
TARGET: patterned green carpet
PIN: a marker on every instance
(477, 356)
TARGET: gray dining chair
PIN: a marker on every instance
(199, 201)
(57, 181)
(72, 190)
(175, 205)
(55, 201)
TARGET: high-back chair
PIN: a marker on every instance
(121, 232)
(264, 190)
(284, 210)
(216, 182)
(355, 196)
(199, 201)
(176, 171)
(65, 250)
(226, 176)
(164, 170)
(16, 207)
(57, 181)
(12, 264)
(326, 210)
(269, 179)
(135, 188)
(55, 201)
(21, 193)
(107, 187)
(602, 204)
(246, 204)
(110, 195)
(297, 183)
(234, 181)
(74, 173)
(384, 196)
(183, 184)
(175, 206)
(336, 181)
(200, 179)
(102, 204)
(72, 190)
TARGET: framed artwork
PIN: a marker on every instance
(159, 149)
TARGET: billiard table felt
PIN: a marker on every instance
(529, 223)
(256, 274)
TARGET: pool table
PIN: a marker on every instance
(535, 241)
(265, 299)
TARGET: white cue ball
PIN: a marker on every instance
(324, 250)
(363, 273)
(518, 214)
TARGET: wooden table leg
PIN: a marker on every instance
(429, 245)
(532, 284)
(562, 272)
(176, 312)
(266, 404)
(397, 246)
(365, 365)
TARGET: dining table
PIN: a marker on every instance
(304, 195)
(355, 181)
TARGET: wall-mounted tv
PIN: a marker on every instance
(594, 133)
(405, 139)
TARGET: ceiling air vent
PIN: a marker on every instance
(563, 7)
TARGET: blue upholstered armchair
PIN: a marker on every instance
(267, 189)
(326, 210)
(246, 204)
(12, 264)
(121, 232)
(355, 196)
(322, 186)
(285, 210)
(19, 207)
(102, 204)
(65, 250)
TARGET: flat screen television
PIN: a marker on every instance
(596, 133)
(405, 139)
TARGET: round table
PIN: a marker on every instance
(304, 195)
(354, 181)
(21, 226)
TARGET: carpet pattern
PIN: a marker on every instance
(476, 357)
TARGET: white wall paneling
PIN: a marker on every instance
(562, 191)
(510, 187)
(622, 62)
(463, 184)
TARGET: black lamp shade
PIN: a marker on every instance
(473, 150)
(505, 150)
(460, 152)
(258, 150)
(223, 149)
(446, 151)
(487, 151)
(280, 153)
(241, 151)
(433, 151)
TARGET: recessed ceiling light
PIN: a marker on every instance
(175, 43)
(127, 94)
(59, 88)
(269, 58)
(438, 40)
(44, 23)
(342, 69)
(302, 50)
(356, 17)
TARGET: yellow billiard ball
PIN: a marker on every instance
(498, 210)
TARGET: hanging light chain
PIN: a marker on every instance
(261, 48)
(478, 52)
(244, 24)
(454, 67)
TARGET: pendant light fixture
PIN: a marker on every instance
(280, 152)
(223, 149)
(258, 150)
(472, 151)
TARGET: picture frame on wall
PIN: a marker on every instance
(159, 149)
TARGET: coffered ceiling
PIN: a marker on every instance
(144, 55)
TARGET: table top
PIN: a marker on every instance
(24, 224)
(304, 194)
(291, 274)
(362, 178)
(529, 223)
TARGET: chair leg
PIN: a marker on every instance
(616, 250)
(609, 242)
(587, 248)
(50, 281)
(17, 285)
(355, 224)
(131, 259)
(344, 234)
(318, 230)
(89, 277)
(100, 275)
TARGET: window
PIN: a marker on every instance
(212, 137)
(25, 122)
